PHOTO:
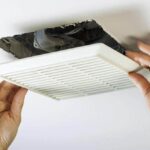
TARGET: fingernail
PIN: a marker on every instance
(128, 53)
(141, 44)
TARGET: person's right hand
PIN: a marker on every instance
(11, 103)
(143, 58)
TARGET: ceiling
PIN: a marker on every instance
(110, 121)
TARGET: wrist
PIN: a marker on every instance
(3, 148)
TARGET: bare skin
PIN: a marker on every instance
(143, 58)
(11, 102)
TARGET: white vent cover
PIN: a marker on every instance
(72, 73)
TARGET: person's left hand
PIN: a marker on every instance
(142, 57)
(11, 102)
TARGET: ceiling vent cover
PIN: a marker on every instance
(75, 72)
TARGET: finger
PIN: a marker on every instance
(2, 83)
(139, 57)
(18, 102)
(7, 90)
(144, 47)
(4, 106)
(12, 94)
(141, 82)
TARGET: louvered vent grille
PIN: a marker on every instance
(72, 78)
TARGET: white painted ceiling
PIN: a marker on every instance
(110, 121)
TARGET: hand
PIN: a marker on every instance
(142, 58)
(11, 102)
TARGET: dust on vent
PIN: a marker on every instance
(72, 73)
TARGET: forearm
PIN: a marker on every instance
(3, 145)
(1, 148)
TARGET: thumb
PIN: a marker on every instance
(141, 82)
(18, 101)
